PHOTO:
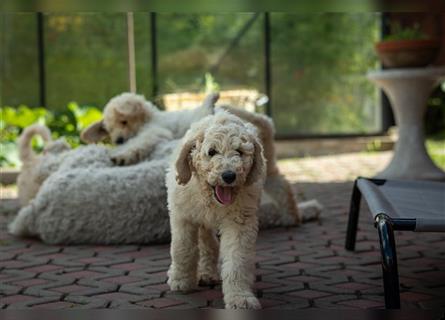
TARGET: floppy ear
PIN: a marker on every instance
(94, 133)
(183, 163)
(258, 165)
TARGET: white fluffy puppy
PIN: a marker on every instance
(138, 126)
(215, 184)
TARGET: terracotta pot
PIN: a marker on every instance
(407, 53)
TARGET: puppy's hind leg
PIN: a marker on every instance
(182, 274)
(208, 257)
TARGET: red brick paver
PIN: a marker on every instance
(297, 268)
(56, 305)
(15, 299)
(69, 289)
(161, 303)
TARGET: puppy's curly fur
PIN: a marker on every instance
(138, 126)
(202, 199)
(276, 185)
(31, 175)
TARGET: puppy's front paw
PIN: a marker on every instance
(124, 158)
(208, 279)
(242, 301)
(183, 284)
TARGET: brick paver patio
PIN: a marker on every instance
(304, 267)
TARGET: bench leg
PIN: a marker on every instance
(389, 262)
(354, 210)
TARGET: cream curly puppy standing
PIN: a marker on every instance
(215, 184)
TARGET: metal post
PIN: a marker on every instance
(154, 56)
(351, 233)
(233, 43)
(389, 262)
(267, 64)
(41, 59)
(386, 111)
(131, 53)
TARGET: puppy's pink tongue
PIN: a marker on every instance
(224, 194)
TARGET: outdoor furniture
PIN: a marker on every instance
(396, 205)
(408, 91)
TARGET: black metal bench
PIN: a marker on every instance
(396, 205)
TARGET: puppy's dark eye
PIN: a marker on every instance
(212, 152)
(124, 122)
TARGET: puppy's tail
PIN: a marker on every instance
(22, 224)
(25, 150)
(209, 102)
(262, 122)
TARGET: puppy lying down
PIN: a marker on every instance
(138, 126)
(129, 121)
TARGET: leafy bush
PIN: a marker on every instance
(407, 33)
(67, 123)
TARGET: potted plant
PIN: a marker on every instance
(407, 47)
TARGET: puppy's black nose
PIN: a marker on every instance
(119, 140)
(228, 176)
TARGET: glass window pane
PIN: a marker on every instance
(142, 40)
(86, 58)
(221, 50)
(319, 62)
(18, 63)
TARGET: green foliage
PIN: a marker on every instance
(67, 123)
(319, 63)
(84, 116)
(12, 122)
(407, 33)
(374, 146)
(435, 114)
(85, 57)
(436, 149)
(191, 45)
(21, 117)
(9, 156)
(210, 84)
(319, 67)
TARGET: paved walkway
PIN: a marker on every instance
(304, 267)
